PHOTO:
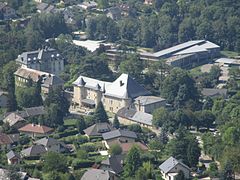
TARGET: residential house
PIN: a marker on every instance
(6, 12)
(51, 82)
(3, 99)
(118, 136)
(114, 13)
(126, 147)
(15, 120)
(4, 175)
(88, 92)
(113, 163)
(96, 130)
(24, 76)
(128, 116)
(99, 174)
(33, 151)
(212, 92)
(45, 8)
(51, 144)
(18, 119)
(45, 59)
(13, 158)
(148, 104)
(148, 2)
(8, 140)
(171, 167)
(34, 130)
(87, 5)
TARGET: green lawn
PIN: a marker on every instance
(196, 71)
(229, 54)
(70, 122)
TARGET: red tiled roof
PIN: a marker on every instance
(35, 129)
(5, 139)
(127, 146)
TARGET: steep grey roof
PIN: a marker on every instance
(123, 87)
(97, 174)
(145, 100)
(34, 150)
(115, 163)
(47, 141)
(11, 154)
(170, 163)
(42, 6)
(136, 116)
(13, 118)
(35, 111)
(214, 92)
(38, 55)
(119, 133)
(52, 80)
(126, 87)
(97, 129)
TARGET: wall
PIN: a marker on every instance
(180, 167)
(3, 101)
(114, 104)
(126, 121)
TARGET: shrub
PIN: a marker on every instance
(115, 149)
(89, 147)
(81, 163)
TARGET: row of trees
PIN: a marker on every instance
(170, 22)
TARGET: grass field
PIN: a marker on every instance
(229, 54)
(70, 122)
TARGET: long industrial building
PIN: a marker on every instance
(185, 55)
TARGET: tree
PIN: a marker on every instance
(163, 136)
(100, 114)
(13, 174)
(80, 124)
(116, 123)
(56, 96)
(179, 81)
(228, 173)
(103, 4)
(160, 116)
(54, 115)
(145, 172)
(213, 170)
(180, 175)
(205, 118)
(54, 162)
(133, 162)
(8, 83)
(115, 149)
(133, 66)
(185, 147)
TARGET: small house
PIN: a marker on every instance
(34, 130)
(13, 158)
(51, 144)
(171, 167)
(118, 136)
(33, 151)
(113, 163)
(99, 174)
(96, 130)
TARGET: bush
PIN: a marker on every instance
(89, 147)
(68, 133)
(24, 140)
(135, 128)
(81, 163)
(61, 128)
(115, 149)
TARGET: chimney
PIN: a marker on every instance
(121, 83)
(33, 124)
